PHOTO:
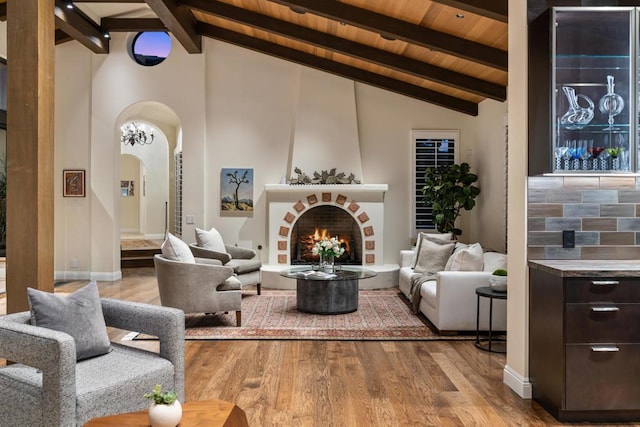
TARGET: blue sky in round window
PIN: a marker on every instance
(151, 48)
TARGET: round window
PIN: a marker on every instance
(150, 48)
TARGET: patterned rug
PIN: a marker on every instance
(381, 315)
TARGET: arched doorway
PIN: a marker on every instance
(147, 184)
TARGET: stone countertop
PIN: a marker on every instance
(588, 268)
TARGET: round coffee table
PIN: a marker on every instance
(320, 292)
(206, 413)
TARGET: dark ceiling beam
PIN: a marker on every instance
(3, 11)
(180, 21)
(495, 9)
(81, 28)
(132, 25)
(62, 37)
(346, 47)
(403, 30)
(337, 68)
(109, 1)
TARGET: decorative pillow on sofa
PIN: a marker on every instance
(211, 240)
(176, 250)
(494, 261)
(447, 237)
(79, 315)
(433, 254)
(466, 259)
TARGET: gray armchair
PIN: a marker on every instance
(243, 261)
(47, 387)
(203, 287)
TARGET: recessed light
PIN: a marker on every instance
(387, 37)
(298, 9)
(69, 4)
(459, 15)
(344, 24)
(106, 35)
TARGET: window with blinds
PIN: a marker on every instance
(430, 149)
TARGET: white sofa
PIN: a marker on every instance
(449, 302)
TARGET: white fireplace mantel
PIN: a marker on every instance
(364, 202)
(302, 188)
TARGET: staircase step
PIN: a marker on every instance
(132, 258)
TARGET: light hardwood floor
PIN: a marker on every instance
(342, 383)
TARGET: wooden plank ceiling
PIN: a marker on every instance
(452, 53)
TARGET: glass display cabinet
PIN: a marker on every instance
(593, 77)
(592, 90)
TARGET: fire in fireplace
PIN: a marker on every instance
(326, 222)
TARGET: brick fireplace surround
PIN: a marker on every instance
(364, 202)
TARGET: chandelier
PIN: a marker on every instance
(133, 133)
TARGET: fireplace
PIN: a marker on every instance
(325, 222)
(355, 211)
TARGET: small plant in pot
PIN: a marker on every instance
(165, 410)
(498, 280)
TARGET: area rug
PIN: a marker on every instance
(381, 315)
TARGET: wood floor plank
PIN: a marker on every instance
(341, 383)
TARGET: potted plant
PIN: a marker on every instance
(449, 189)
(498, 280)
(165, 410)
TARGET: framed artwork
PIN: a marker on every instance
(126, 188)
(73, 183)
(236, 192)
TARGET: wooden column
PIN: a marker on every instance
(30, 91)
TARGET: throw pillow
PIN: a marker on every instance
(211, 240)
(79, 315)
(466, 259)
(433, 255)
(176, 250)
(440, 236)
(494, 261)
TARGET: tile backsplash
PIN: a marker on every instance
(604, 212)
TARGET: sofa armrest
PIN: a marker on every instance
(200, 252)
(456, 290)
(240, 253)
(54, 353)
(406, 258)
(164, 322)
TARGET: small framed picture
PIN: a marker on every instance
(73, 183)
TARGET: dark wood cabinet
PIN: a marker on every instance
(584, 344)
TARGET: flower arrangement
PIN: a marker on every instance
(328, 247)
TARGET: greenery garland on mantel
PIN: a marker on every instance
(324, 177)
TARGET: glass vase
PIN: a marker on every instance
(327, 262)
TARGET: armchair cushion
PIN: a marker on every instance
(211, 240)
(79, 315)
(244, 266)
(230, 284)
(177, 250)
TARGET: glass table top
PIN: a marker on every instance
(351, 272)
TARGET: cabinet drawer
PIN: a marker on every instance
(606, 377)
(602, 290)
(589, 323)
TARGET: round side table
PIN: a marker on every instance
(489, 344)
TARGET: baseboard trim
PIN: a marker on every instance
(517, 383)
(88, 275)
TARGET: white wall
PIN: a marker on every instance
(238, 109)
